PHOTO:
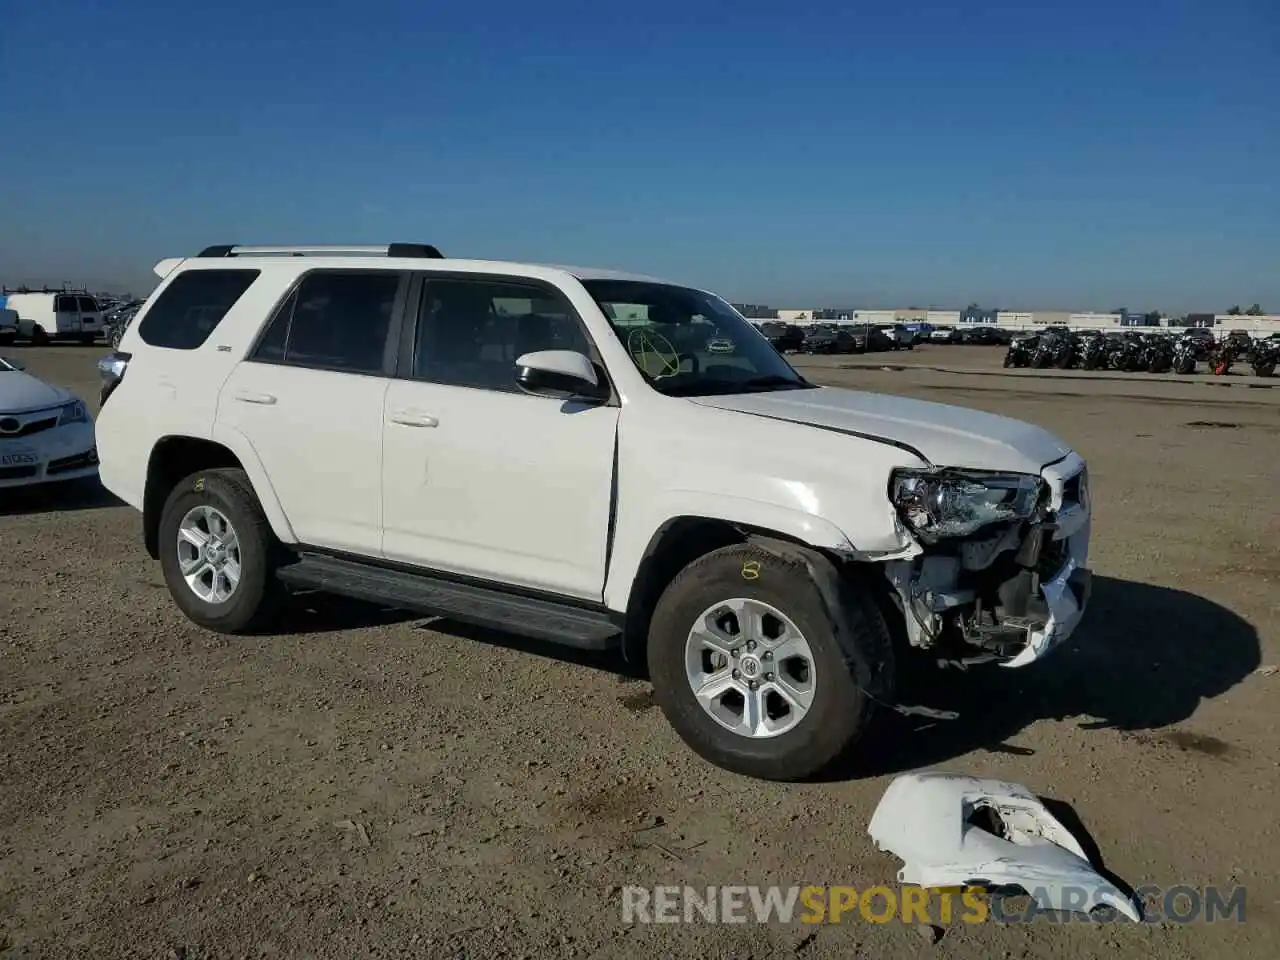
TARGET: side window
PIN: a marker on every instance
(470, 332)
(88, 305)
(334, 321)
(66, 305)
(191, 306)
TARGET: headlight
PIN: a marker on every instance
(955, 503)
(74, 412)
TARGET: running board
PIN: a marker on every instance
(480, 606)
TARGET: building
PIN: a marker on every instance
(755, 311)
(875, 316)
(946, 318)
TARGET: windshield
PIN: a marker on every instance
(689, 343)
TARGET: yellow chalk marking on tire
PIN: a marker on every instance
(751, 570)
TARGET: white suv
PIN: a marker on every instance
(591, 458)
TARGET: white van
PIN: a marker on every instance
(56, 316)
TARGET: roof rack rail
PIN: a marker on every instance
(422, 250)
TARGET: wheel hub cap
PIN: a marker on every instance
(750, 668)
(209, 554)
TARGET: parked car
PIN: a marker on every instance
(46, 433)
(50, 315)
(984, 336)
(828, 338)
(943, 335)
(785, 337)
(874, 340)
(645, 513)
(902, 337)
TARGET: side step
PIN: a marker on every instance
(480, 606)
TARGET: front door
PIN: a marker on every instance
(479, 478)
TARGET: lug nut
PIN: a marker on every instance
(768, 655)
(768, 678)
(751, 644)
(752, 684)
(737, 675)
(734, 653)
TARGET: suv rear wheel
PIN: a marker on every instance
(755, 673)
(218, 553)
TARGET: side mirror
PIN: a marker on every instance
(559, 372)
(14, 362)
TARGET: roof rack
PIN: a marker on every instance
(422, 250)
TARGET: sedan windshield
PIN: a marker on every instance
(690, 343)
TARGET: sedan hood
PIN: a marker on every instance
(20, 392)
(944, 435)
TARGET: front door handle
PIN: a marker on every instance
(410, 418)
(249, 396)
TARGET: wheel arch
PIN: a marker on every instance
(176, 456)
(682, 539)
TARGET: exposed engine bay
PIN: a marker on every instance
(1009, 592)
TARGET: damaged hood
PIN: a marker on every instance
(944, 435)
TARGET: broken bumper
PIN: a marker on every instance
(1065, 597)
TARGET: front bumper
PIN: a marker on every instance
(60, 453)
(1011, 597)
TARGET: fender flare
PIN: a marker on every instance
(634, 546)
(244, 451)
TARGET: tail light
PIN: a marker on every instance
(111, 369)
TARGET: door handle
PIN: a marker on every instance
(248, 396)
(409, 418)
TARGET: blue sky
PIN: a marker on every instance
(1025, 154)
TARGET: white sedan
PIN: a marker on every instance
(46, 433)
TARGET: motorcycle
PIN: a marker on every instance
(1058, 351)
(1125, 353)
(1221, 356)
(1263, 357)
(1020, 352)
(1093, 355)
(1158, 354)
(1185, 352)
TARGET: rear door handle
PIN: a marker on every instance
(411, 418)
(248, 396)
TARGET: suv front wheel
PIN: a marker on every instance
(217, 552)
(756, 673)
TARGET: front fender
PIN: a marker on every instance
(635, 533)
(243, 448)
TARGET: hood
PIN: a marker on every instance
(944, 435)
(20, 392)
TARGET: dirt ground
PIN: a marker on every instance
(365, 784)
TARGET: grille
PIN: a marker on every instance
(17, 473)
(12, 427)
(78, 462)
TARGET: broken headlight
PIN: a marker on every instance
(954, 503)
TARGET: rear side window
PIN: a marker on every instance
(334, 321)
(66, 305)
(87, 305)
(189, 308)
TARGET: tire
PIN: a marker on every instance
(1264, 369)
(256, 598)
(850, 655)
(1008, 361)
(38, 337)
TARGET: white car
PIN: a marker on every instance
(46, 433)
(488, 442)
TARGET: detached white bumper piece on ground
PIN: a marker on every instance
(46, 433)
(965, 831)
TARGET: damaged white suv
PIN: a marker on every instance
(586, 457)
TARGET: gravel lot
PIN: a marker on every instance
(365, 784)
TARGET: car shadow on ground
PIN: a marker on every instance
(60, 497)
(1144, 658)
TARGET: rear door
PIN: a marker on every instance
(66, 315)
(90, 316)
(309, 399)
